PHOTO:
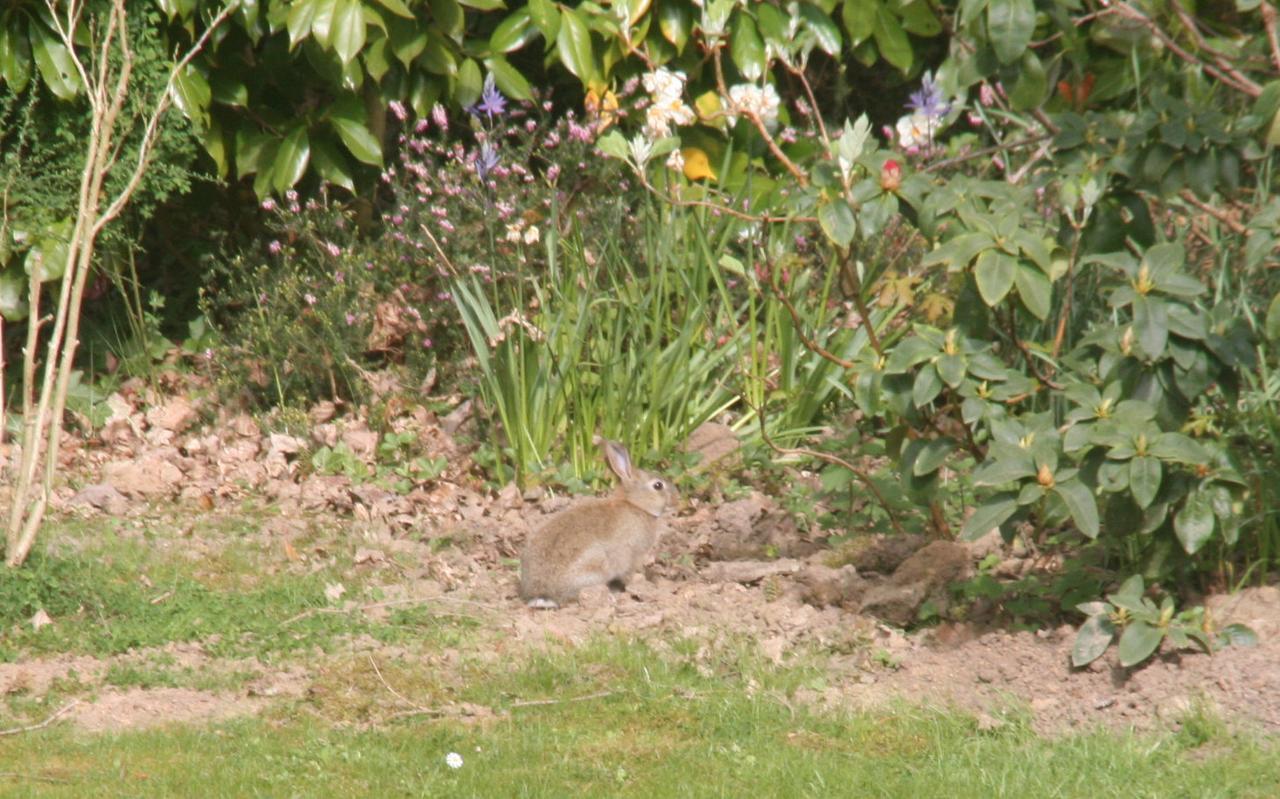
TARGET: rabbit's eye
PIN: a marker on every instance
(657, 485)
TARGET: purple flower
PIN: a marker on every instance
(492, 103)
(486, 160)
(928, 100)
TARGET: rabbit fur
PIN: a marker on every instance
(596, 542)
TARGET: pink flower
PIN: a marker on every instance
(268, 204)
(397, 108)
(275, 247)
(351, 319)
(309, 298)
(332, 249)
(553, 172)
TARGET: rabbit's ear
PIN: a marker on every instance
(619, 459)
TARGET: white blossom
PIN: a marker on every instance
(749, 99)
(915, 130)
(667, 106)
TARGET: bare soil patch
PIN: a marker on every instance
(741, 570)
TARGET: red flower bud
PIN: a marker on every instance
(890, 175)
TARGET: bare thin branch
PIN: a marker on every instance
(64, 710)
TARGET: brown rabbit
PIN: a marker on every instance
(596, 542)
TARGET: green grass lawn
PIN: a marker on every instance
(619, 716)
(650, 725)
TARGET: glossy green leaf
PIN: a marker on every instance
(1031, 85)
(1092, 639)
(891, 40)
(573, 44)
(1150, 324)
(448, 15)
(470, 83)
(54, 63)
(1081, 504)
(348, 32)
(358, 140)
(228, 91)
(994, 272)
(255, 152)
(992, 513)
(291, 159)
(837, 221)
(437, 56)
(1145, 474)
(483, 5)
(408, 40)
(926, 387)
(614, 145)
(13, 295)
(546, 16)
(215, 144)
(952, 369)
(859, 17)
(745, 46)
(1010, 24)
(932, 455)
(1194, 522)
(508, 79)
(47, 260)
(302, 14)
(397, 7)
(1000, 470)
(330, 164)
(15, 55)
(376, 58)
(192, 95)
(1272, 324)
(957, 252)
(918, 17)
(824, 30)
(675, 22)
(513, 32)
(1180, 448)
(1034, 290)
(1138, 641)
(322, 23)
(1237, 634)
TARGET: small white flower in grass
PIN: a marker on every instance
(532, 235)
(675, 161)
(453, 760)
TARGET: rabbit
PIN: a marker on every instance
(596, 542)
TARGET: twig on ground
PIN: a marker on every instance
(416, 708)
(18, 775)
(32, 728)
(542, 702)
(1189, 196)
